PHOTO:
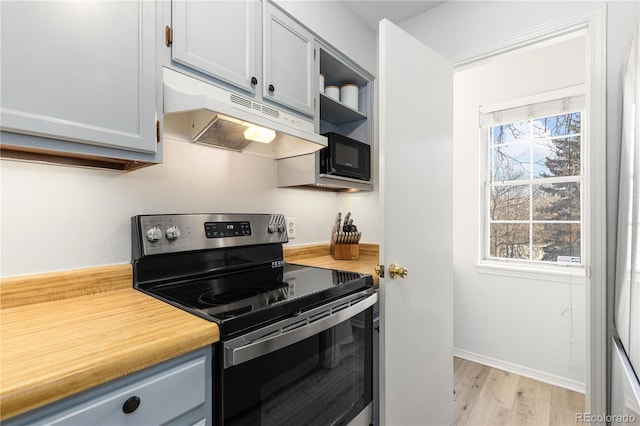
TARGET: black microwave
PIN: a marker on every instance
(345, 157)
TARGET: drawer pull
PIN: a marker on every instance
(131, 405)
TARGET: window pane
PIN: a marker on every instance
(558, 125)
(556, 201)
(553, 240)
(510, 202)
(512, 132)
(510, 162)
(509, 240)
(542, 151)
(556, 157)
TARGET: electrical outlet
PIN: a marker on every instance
(291, 227)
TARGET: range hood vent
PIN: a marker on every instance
(222, 133)
(231, 121)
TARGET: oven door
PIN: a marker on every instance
(312, 369)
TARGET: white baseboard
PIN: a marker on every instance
(552, 379)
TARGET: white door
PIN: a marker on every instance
(416, 312)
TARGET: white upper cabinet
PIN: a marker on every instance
(83, 74)
(289, 64)
(217, 38)
(250, 45)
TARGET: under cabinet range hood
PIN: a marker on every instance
(227, 120)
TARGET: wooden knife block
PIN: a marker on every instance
(345, 251)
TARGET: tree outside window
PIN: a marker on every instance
(535, 184)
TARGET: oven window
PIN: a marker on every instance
(323, 380)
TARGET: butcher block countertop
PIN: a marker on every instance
(318, 255)
(65, 332)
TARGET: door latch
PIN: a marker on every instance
(380, 270)
(394, 271)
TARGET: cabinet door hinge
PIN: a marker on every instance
(314, 53)
(168, 36)
(157, 130)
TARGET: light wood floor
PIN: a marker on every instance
(487, 396)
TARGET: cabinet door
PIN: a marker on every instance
(288, 61)
(176, 392)
(217, 38)
(80, 71)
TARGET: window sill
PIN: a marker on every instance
(553, 273)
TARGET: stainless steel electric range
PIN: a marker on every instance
(296, 341)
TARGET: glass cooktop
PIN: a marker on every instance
(243, 299)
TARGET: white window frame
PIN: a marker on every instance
(546, 105)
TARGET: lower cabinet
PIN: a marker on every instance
(176, 392)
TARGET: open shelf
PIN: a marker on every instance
(336, 112)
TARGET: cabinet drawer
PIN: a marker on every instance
(164, 395)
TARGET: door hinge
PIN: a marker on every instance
(314, 53)
(168, 36)
(158, 131)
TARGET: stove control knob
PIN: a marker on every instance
(271, 229)
(172, 233)
(281, 228)
(154, 234)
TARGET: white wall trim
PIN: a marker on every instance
(591, 24)
(549, 33)
(531, 373)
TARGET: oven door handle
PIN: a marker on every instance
(295, 329)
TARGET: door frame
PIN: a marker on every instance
(593, 25)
